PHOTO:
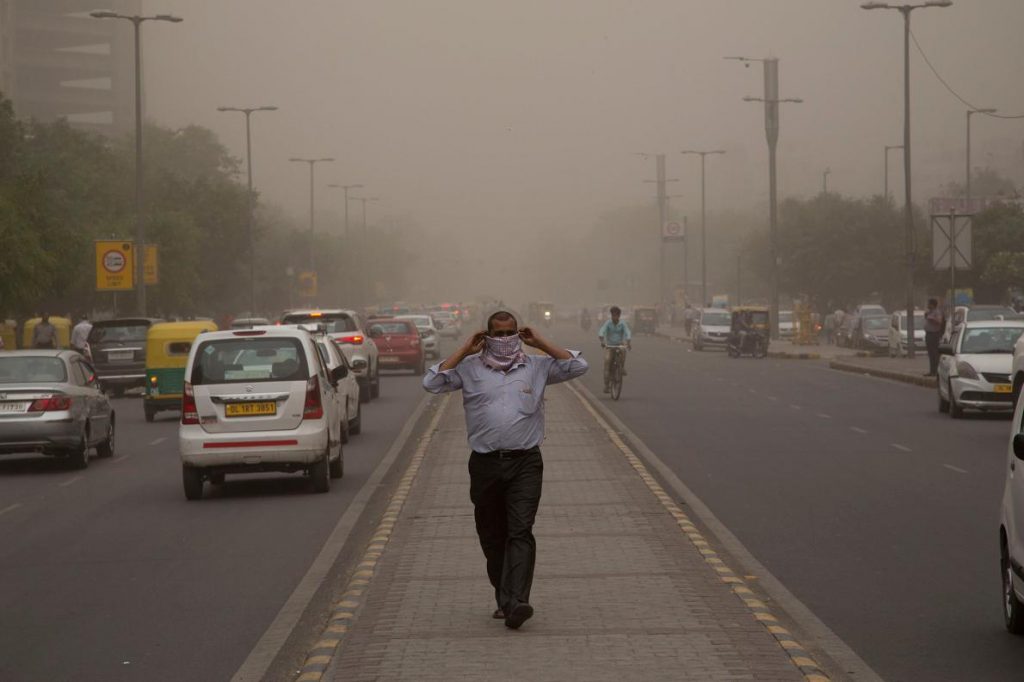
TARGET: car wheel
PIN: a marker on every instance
(320, 473)
(943, 403)
(364, 391)
(356, 425)
(1013, 610)
(375, 385)
(192, 478)
(150, 413)
(955, 411)
(337, 466)
(78, 456)
(106, 448)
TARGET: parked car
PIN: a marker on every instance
(398, 342)
(787, 324)
(975, 313)
(259, 400)
(1011, 528)
(51, 403)
(428, 334)
(118, 349)
(975, 368)
(865, 309)
(898, 332)
(711, 329)
(348, 329)
(846, 330)
(871, 333)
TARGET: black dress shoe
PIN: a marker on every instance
(519, 614)
(498, 614)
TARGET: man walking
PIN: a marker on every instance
(934, 324)
(503, 397)
(45, 334)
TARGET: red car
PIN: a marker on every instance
(398, 344)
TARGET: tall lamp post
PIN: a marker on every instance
(346, 188)
(248, 111)
(140, 229)
(824, 180)
(888, 148)
(362, 232)
(967, 185)
(312, 164)
(908, 209)
(703, 222)
(771, 126)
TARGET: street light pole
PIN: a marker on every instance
(824, 180)
(967, 185)
(703, 222)
(248, 111)
(363, 233)
(140, 229)
(908, 209)
(312, 220)
(771, 124)
(887, 148)
(660, 181)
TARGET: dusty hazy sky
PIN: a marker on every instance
(483, 114)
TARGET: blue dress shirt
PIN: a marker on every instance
(504, 410)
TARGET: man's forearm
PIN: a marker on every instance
(557, 352)
(454, 359)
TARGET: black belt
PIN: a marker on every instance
(509, 454)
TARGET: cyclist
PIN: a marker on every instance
(614, 332)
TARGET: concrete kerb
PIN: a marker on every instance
(904, 377)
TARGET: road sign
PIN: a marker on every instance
(674, 231)
(150, 269)
(307, 284)
(114, 271)
(951, 241)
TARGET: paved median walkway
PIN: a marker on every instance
(626, 587)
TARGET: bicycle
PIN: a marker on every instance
(615, 370)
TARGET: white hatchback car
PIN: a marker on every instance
(259, 400)
(348, 329)
(974, 370)
(712, 328)
(1011, 528)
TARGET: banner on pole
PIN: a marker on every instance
(674, 231)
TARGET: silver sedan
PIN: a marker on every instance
(51, 403)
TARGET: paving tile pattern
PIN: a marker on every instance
(619, 591)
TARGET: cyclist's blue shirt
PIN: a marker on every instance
(615, 334)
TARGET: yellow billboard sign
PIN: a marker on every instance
(150, 271)
(114, 261)
(307, 284)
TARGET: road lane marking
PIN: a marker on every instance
(69, 482)
(857, 429)
(752, 390)
(771, 397)
(956, 469)
(822, 415)
(796, 407)
(904, 448)
(158, 440)
(10, 508)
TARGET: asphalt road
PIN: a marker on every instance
(110, 574)
(877, 512)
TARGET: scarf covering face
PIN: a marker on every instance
(502, 353)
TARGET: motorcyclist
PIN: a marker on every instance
(614, 332)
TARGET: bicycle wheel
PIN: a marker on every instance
(616, 378)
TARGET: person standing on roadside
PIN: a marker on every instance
(503, 397)
(45, 334)
(934, 324)
(80, 336)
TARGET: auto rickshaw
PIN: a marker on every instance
(167, 348)
(8, 335)
(749, 332)
(61, 324)
(645, 319)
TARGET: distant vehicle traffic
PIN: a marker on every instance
(898, 332)
(167, 348)
(712, 329)
(399, 344)
(872, 333)
(429, 337)
(118, 348)
(787, 324)
(348, 329)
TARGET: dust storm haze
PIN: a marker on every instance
(503, 135)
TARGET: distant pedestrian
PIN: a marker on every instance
(80, 336)
(45, 334)
(934, 325)
(503, 397)
(830, 328)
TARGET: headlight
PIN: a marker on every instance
(547, 314)
(966, 371)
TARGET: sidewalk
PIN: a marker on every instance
(626, 586)
(898, 369)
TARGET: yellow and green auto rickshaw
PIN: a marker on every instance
(61, 324)
(8, 335)
(749, 333)
(167, 348)
(645, 319)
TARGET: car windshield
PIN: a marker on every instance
(990, 339)
(982, 314)
(785, 317)
(32, 370)
(875, 323)
(118, 332)
(334, 322)
(235, 360)
(715, 319)
(394, 327)
(420, 321)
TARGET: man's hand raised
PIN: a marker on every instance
(531, 338)
(474, 344)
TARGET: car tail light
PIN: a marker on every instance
(251, 332)
(313, 409)
(189, 411)
(356, 339)
(51, 403)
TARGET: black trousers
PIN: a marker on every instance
(505, 490)
(931, 342)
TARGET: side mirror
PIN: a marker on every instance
(339, 373)
(945, 349)
(1018, 445)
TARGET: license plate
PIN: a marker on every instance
(250, 409)
(14, 407)
(389, 360)
(1003, 388)
(120, 355)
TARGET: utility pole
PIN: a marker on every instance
(312, 219)
(686, 243)
(703, 222)
(967, 178)
(346, 188)
(889, 147)
(661, 181)
(824, 180)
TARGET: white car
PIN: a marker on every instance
(446, 323)
(259, 400)
(347, 393)
(787, 324)
(1011, 529)
(898, 333)
(711, 328)
(348, 329)
(428, 334)
(974, 370)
